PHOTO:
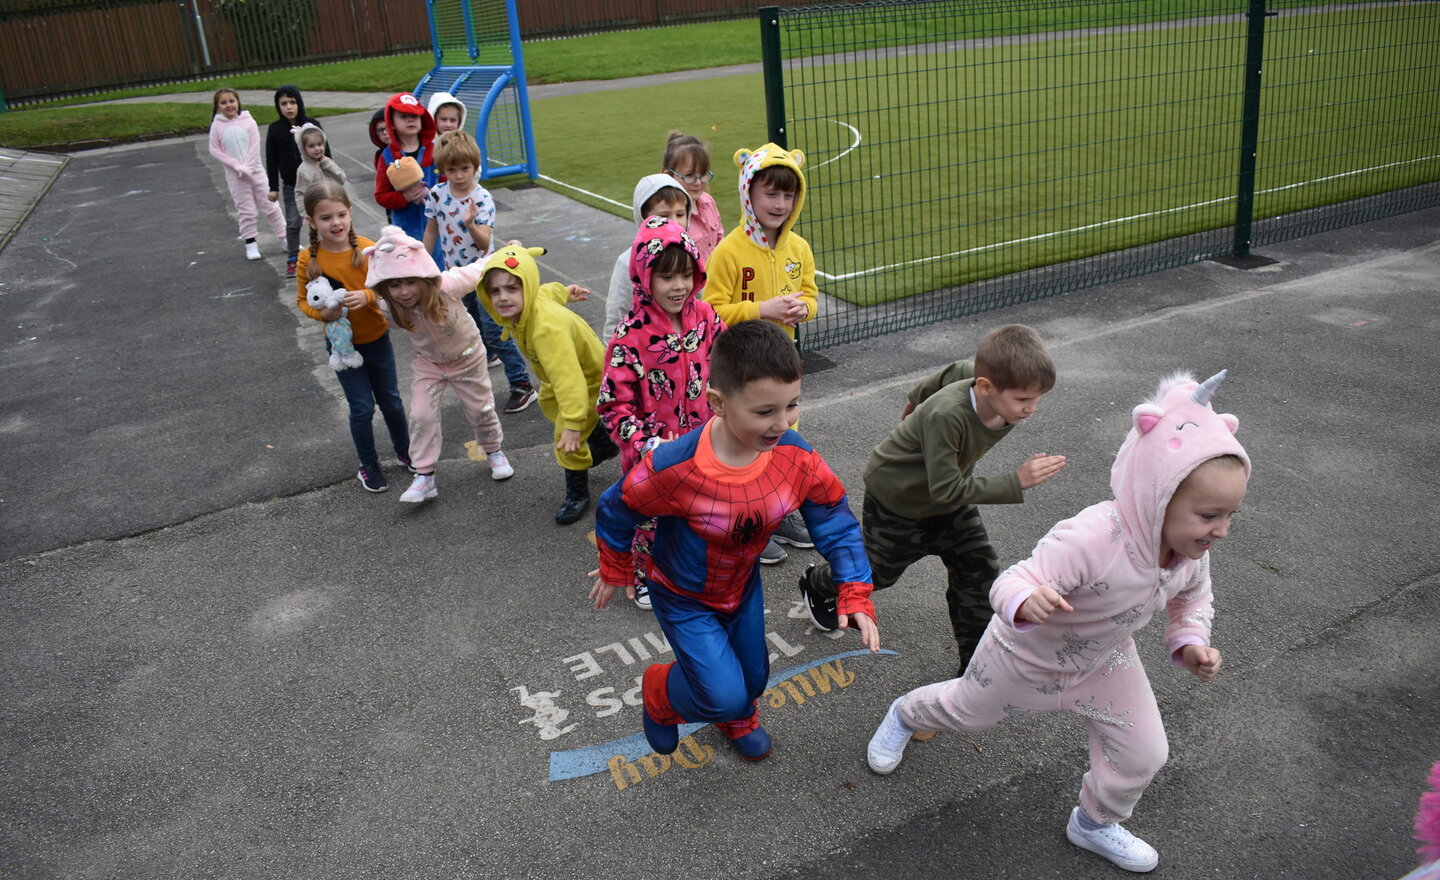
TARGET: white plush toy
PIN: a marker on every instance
(322, 295)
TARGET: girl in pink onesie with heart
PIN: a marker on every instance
(1062, 635)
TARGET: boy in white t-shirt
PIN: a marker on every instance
(461, 217)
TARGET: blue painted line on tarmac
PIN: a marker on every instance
(589, 760)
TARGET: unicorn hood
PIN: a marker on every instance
(751, 162)
(1171, 434)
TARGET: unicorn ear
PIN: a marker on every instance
(1146, 416)
(368, 251)
(799, 158)
(1230, 421)
(740, 156)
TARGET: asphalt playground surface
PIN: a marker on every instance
(222, 658)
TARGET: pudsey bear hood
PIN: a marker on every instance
(1171, 434)
(749, 163)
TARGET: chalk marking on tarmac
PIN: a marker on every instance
(590, 760)
(234, 294)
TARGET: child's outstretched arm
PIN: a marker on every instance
(614, 533)
(826, 511)
(941, 433)
(1038, 469)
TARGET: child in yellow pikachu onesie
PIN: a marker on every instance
(564, 354)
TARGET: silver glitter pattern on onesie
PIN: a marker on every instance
(1127, 618)
(976, 673)
(1107, 715)
(1119, 660)
(1076, 646)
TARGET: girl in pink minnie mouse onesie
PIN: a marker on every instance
(1061, 638)
(657, 364)
(445, 349)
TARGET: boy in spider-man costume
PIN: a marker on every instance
(719, 491)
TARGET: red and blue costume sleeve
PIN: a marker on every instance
(712, 526)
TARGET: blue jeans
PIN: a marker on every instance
(517, 372)
(375, 383)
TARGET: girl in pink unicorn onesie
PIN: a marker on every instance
(1062, 635)
(657, 364)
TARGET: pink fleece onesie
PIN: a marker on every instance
(1105, 561)
(235, 143)
(444, 353)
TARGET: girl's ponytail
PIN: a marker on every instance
(312, 266)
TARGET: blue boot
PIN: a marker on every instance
(755, 745)
(663, 738)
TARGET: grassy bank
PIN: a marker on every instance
(98, 125)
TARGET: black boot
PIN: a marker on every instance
(602, 448)
(577, 497)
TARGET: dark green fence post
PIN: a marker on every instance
(1249, 132)
(774, 77)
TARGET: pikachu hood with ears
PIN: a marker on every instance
(563, 351)
(750, 162)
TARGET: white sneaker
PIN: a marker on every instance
(642, 597)
(887, 746)
(1114, 843)
(422, 488)
(500, 468)
(252, 250)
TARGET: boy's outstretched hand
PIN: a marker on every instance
(1041, 604)
(1039, 468)
(1203, 661)
(577, 293)
(869, 630)
(601, 593)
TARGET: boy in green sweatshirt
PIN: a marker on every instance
(921, 491)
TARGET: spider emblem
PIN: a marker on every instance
(747, 528)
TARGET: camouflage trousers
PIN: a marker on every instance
(894, 543)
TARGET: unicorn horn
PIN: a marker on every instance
(1207, 388)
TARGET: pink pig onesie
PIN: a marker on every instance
(1105, 562)
(443, 353)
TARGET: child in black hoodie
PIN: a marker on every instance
(282, 159)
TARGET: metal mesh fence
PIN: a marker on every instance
(477, 53)
(963, 156)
